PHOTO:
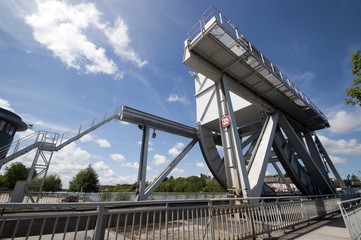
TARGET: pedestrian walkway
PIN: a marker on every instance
(331, 228)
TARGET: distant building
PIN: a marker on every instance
(278, 185)
(10, 123)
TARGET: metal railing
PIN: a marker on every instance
(351, 213)
(34, 139)
(212, 12)
(82, 128)
(190, 219)
(55, 140)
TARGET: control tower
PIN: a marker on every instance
(249, 107)
(10, 123)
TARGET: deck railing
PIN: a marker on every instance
(227, 26)
(351, 213)
(186, 219)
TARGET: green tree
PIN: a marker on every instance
(52, 183)
(15, 172)
(354, 93)
(87, 180)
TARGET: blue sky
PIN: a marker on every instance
(64, 62)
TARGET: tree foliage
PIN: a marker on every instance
(354, 93)
(203, 183)
(15, 172)
(87, 180)
(52, 183)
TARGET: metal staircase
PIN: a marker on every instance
(47, 143)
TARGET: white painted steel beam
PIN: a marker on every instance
(167, 170)
(259, 160)
(311, 145)
(282, 176)
(322, 181)
(329, 162)
(142, 169)
(236, 173)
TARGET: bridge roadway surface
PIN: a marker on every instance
(330, 228)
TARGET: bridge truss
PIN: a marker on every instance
(241, 95)
(245, 105)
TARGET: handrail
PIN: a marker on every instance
(56, 140)
(39, 136)
(112, 113)
(199, 28)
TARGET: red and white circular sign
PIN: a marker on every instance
(225, 121)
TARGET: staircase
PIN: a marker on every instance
(50, 141)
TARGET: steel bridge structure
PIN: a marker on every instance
(245, 105)
(258, 116)
(247, 108)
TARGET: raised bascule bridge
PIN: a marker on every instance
(247, 107)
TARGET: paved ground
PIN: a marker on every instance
(331, 228)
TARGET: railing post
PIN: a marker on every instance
(210, 222)
(99, 231)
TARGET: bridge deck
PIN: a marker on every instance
(215, 47)
(332, 227)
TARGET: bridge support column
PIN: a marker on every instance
(327, 158)
(322, 181)
(257, 166)
(236, 173)
(167, 170)
(142, 170)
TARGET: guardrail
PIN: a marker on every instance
(89, 124)
(351, 213)
(190, 219)
(227, 25)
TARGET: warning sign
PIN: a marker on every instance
(225, 121)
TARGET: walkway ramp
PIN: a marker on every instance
(50, 141)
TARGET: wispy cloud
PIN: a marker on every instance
(65, 30)
(117, 157)
(178, 171)
(338, 160)
(339, 119)
(201, 165)
(176, 98)
(174, 151)
(6, 105)
(101, 142)
(346, 147)
(159, 159)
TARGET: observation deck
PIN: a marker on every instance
(215, 47)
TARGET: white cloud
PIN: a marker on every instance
(178, 171)
(119, 38)
(338, 160)
(105, 169)
(6, 105)
(201, 166)
(345, 122)
(103, 143)
(117, 157)
(66, 29)
(87, 138)
(346, 147)
(159, 159)
(304, 77)
(175, 98)
(174, 151)
(134, 165)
